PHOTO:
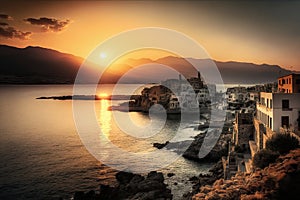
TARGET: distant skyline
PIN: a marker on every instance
(247, 31)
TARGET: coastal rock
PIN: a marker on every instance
(279, 180)
(160, 145)
(219, 150)
(124, 177)
(131, 187)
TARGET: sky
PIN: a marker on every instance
(247, 31)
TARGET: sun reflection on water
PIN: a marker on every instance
(105, 117)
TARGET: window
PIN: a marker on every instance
(285, 121)
(285, 104)
(268, 103)
(283, 81)
(271, 123)
(271, 103)
(290, 80)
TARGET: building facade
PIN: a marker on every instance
(276, 110)
(289, 83)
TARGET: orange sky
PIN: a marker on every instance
(248, 32)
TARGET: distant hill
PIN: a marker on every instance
(36, 65)
(231, 72)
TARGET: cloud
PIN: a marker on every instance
(5, 16)
(11, 32)
(49, 24)
(3, 24)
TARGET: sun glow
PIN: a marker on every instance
(103, 95)
(103, 55)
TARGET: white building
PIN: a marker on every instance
(278, 110)
(254, 96)
(237, 94)
(174, 103)
(275, 112)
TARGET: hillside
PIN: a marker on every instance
(36, 65)
(281, 180)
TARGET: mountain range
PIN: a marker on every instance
(37, 65)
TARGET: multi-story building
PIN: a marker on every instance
(277, 112)
(289, 83)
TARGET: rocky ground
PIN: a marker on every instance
(280, 180)
(216, 172)
(131, 187)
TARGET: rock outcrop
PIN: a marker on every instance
(219, 150)
(131, 187)
(280, 180)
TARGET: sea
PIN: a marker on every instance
(42, 154)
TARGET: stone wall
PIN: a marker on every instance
(243, 129)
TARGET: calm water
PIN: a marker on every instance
(42, 156)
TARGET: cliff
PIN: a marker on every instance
(280, 180)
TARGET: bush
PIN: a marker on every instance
(263, 158)
(239, 149)
(282, 143)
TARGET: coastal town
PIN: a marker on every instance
(262, 126)
(254, 115)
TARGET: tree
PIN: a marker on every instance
(282, 143)
(263, 158)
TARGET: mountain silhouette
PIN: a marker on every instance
(37, 65)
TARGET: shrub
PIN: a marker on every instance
(282, 143)
(263, 158)
(239, 149)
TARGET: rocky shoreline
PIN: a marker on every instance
(131, 186)
(152, 186)
(192, 153)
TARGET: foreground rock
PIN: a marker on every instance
(130, 187)
(281, 180)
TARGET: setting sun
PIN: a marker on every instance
(103, 95)
(103, 55)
